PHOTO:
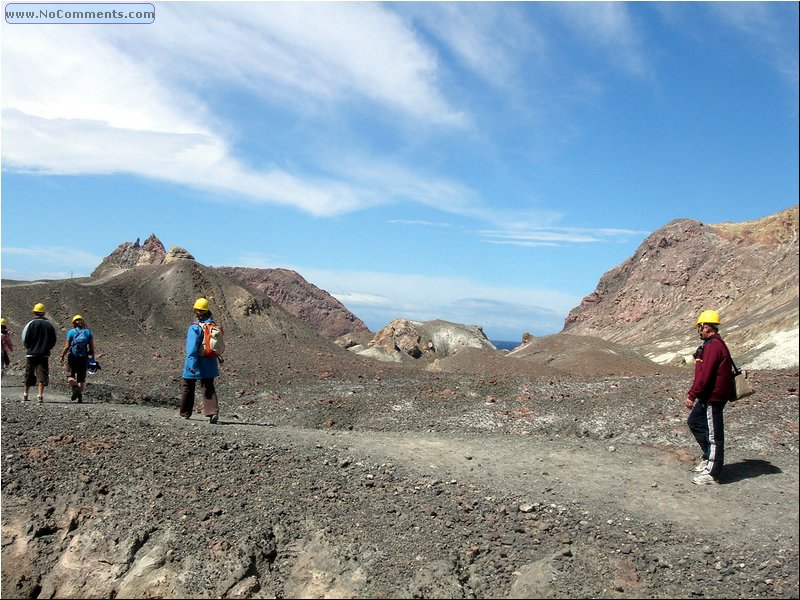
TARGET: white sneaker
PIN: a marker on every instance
(40, 399)
(704, 478)
(701, 466)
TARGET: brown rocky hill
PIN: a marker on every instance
(312, 305)
(139, 316)
(315, 307)
(746, 271)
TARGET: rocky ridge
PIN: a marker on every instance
(132, 254)
(746, 271)
(315, 307)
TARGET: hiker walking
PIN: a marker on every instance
(711, 389)
(201, 363)
(7, 344)
(78, 349)
(38, 337)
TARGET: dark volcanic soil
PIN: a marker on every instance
(399, 484)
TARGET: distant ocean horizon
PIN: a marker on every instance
(503, 345)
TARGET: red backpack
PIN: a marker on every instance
(213, 343)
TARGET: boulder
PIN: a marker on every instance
(429, 339)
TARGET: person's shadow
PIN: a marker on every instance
(746, 469)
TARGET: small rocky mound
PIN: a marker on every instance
(178, 253)
(429, 339)
(551, 355)
(583, 355)
(491, 363)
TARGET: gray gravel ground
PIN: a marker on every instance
(409, 485)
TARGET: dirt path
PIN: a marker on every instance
(106, 499)
(652, 485)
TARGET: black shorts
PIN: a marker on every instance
(76, 367)
(37, 370)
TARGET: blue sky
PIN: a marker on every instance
(483, 163)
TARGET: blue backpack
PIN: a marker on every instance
(79, 346)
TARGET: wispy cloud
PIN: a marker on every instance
(469, 30)
(16, 274)
(419, 223)
(361, 299)
(42, 259)
(198, 160)
(393, 181)
(771, 33)
(379, 297)
(557, 236)
(86, 102)
(609, 28)
(533, 229)
(325, 52)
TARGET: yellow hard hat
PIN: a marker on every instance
(39, 308)
(708, 316)
(76, 318)
(3, 322)
(201, 304)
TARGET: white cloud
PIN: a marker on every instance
(766, 27)
(322, 51)
(503, 312)
(359, 299)
(93, 100)
(200, 160)
(41, 261)
(19, 275)
(418, 222)
(425, 297)
(554, 236)
(608, 27)
(540, 237)
(470, 31)
(394, 181)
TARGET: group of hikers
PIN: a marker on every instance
(712, 388)
(204, 345)
(39, 338)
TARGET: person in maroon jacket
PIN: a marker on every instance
(711, 389)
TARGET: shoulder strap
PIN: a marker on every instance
(736, 370)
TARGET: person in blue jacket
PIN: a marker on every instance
(77, 350)
(198, 367)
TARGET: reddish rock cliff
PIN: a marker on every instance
(746, 271)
